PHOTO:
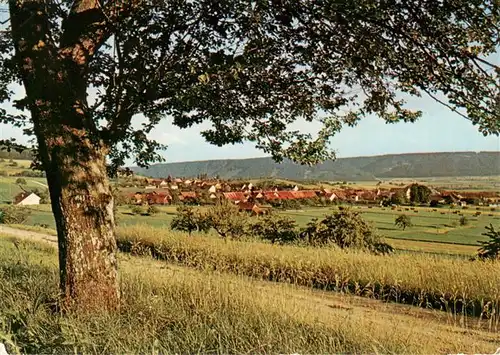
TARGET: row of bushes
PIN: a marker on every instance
(422, 280)
(345, 228)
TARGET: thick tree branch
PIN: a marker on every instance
(90, 24)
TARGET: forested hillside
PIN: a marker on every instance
(359, 168)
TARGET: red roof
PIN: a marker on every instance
(235, 196)
(304, 194)
(270, 195)
(188, 194)
(285, 195)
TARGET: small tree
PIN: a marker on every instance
(152, 210)
(137, 210)
(491, 248)
(345, 228)
(277, 229)
(463, 221)
(226, 219)
(403, 221)
(398, 198)
(14, 215)
(189, 220)
(20, 181)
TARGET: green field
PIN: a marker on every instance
(432, 231)
(9, 189)
(429, 225)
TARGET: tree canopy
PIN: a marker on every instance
(251, 69)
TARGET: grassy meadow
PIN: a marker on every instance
(425, 280)
(168, 308)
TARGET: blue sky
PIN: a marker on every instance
(438, 130)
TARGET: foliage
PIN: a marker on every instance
(30, 173)
(463, 221)
(14, 214)
(403, 221)
(275, 228)
(43, 194)
(434, 203)
(152, 210)
(419, 193)
(20, 181)
(226, 219)
(345, 228)
(398, 198)
(120, 199)
(137, 210)
(188, 220)
(418, 48)
(286, 204)
(491, 248)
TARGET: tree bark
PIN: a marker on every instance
(82, 204)
(72, 154)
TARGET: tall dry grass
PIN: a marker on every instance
(179, 310)
(460, 286)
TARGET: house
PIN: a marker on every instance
(26, 199)
(188, 182)
(367, 195)
(187, 195)
(174, 187)
(137, 198)
(150, 187)
(212, 189)
(213, 196)
(164, 183)
(158, 198)
(157, 183)
(252, 208)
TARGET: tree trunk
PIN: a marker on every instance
(82, 204)
(70, 148)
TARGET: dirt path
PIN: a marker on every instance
(13, 232)
(39, 183)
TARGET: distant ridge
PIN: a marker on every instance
(410, 165)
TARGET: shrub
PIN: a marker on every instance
(345, 228)
(403, 221)
(14, 215)
(277, 229)
(3, 173)
(20, 181)
(152, 210)
(226, 219)
(463, 221)
(491, 248)
(137, 210)
(189, 220)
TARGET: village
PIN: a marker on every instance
(259, 199)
